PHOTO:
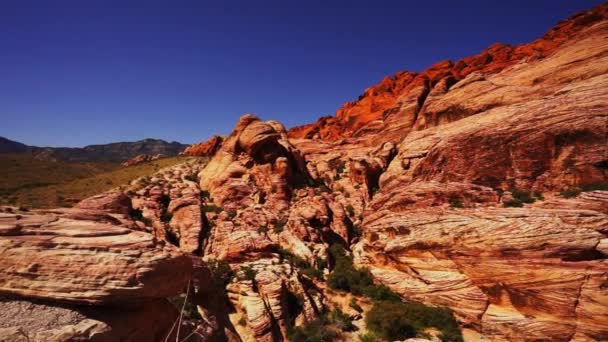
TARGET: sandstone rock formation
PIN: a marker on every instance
(141, 158)
(479, 185)
(205, 148)
(396, 103)
(91, 280)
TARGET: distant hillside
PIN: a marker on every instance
(36, 183)
(9, 146)
(114, 152)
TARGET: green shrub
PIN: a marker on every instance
(394, 320)
(279, 225)
(522, 195)
(313, 331)
(205, 194)
(166, 217)
(190, 309)
(221, 273)
(248, 273)
(515, 203)
(341, 320)
(539, 195)
(303, 265)
(569, 193)
(262, 229)
(211, 208)
(369, 337)
(593, 187)
(353, 304)
(456, 203)
(350, 210)
(192, 178)
(390, 321)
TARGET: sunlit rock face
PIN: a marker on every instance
(78, 274)
(415, 178)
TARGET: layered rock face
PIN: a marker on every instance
(205, 148)
(65, 277)
(520, 122)
(397, 104)
(445, 184)
(141, 158)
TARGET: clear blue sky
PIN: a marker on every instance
(81, 72)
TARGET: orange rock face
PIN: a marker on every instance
(205, 148)
(394, 105)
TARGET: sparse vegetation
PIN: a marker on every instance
(279, 225)
(303, 265)
(390, 318)
(248, 273)
(313, 331)
(262, 229)
(570, 192)
(46, 184)
(192, 178)
(353, 304)
(456, 203)
(211, 208)
(350, 210)
(221, 273)
(341, 320)
(519, 198)
(396, 320)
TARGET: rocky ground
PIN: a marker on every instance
(489, 197)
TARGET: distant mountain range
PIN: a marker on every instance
(113, 152)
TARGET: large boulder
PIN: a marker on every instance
(86, 262)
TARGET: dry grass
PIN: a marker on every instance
(62, 184)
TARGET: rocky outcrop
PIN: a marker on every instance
(112, 202)
(205, 148)
(391, 108)
(141, 158)
(25, 321)
(65, 279)
(508, 273)
(54, 258)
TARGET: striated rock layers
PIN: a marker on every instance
(397, 104)
(479, 185)
(205, 148)
(68, 264)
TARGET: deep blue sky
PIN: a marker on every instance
(81, 72)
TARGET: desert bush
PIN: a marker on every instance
(353, 304)
(341, 320)
(350, 210)
(262, 229)
(595, 186)
(312, 331)
(278, 226)
(211, 208)
(248, 273)
(456, 203)
(192, 178)
(522, 195)
(514, 203)
(221, 273)
(395, 320)
(570, 192)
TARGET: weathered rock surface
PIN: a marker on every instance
(391, 108)
(24, 321)
(141, 158)
(86, 262)
(205, 148)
